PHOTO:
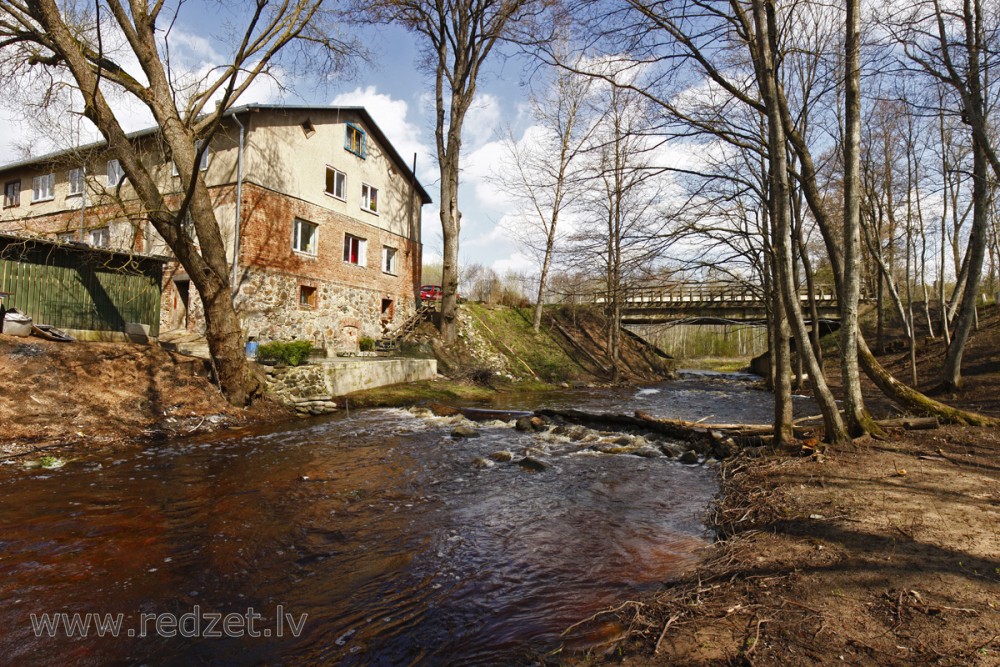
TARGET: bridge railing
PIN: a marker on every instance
(702, 294)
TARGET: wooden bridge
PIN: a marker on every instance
(710, 303)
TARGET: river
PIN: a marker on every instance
(373, 536)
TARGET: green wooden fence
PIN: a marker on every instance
(85, 288)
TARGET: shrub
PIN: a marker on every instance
(366, 344)
(292, 353)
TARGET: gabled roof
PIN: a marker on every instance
(366, 118)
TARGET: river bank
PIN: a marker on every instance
(77, 396)
(881, 555)
(884, 553)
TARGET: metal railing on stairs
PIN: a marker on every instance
(390, 343)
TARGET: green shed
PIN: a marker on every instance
(78, 287)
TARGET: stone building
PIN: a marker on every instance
(320, 214)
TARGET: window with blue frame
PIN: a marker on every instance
(356, 141)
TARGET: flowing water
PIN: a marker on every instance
(376, 527)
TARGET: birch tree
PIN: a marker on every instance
(543, 173)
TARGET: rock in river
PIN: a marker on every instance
(648, 452)
(690, 457)
(534, 465)
(464, 432)
(502, 456)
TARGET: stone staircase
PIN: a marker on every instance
(391, 342)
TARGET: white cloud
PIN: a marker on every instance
(482, 120)
(516, 263)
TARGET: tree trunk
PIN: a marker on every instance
(850, 292)
(911, 399)
(450, 228)
(208, 267)
(951, 373)
(779, 210)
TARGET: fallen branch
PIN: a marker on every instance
(670, 621)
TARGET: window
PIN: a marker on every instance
(100, 238)
(75, 182)
(307, 128)
(115, 173)
(307, 296)
(355, 250)
(11, 194)
(43, 187)
(304, 236)
(389, 259)
(335, 182)
(356, 141)
(66, 237)
(369, 198)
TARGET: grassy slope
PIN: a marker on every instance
(530, 355)
(497, 350)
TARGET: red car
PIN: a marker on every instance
(431, 292)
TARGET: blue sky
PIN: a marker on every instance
(398, 94)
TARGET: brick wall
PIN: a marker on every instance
(350, 300)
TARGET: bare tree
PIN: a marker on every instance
(69, 44)
(765, 47)
(544, 174)
(458, 36)
(623, 235)
(955, 43)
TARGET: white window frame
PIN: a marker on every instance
(115, 173)
(343, 183)
(369, 203)
(362, 253)
(75, 179)
(43, 188)
(390, 258)
(94, 236)
(297, 226)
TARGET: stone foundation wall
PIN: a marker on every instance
(268, 304)
(312, 388)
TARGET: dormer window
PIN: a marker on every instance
(356, 141)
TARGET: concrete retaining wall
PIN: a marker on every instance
(312, 388)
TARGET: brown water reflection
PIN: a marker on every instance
(377, 526)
